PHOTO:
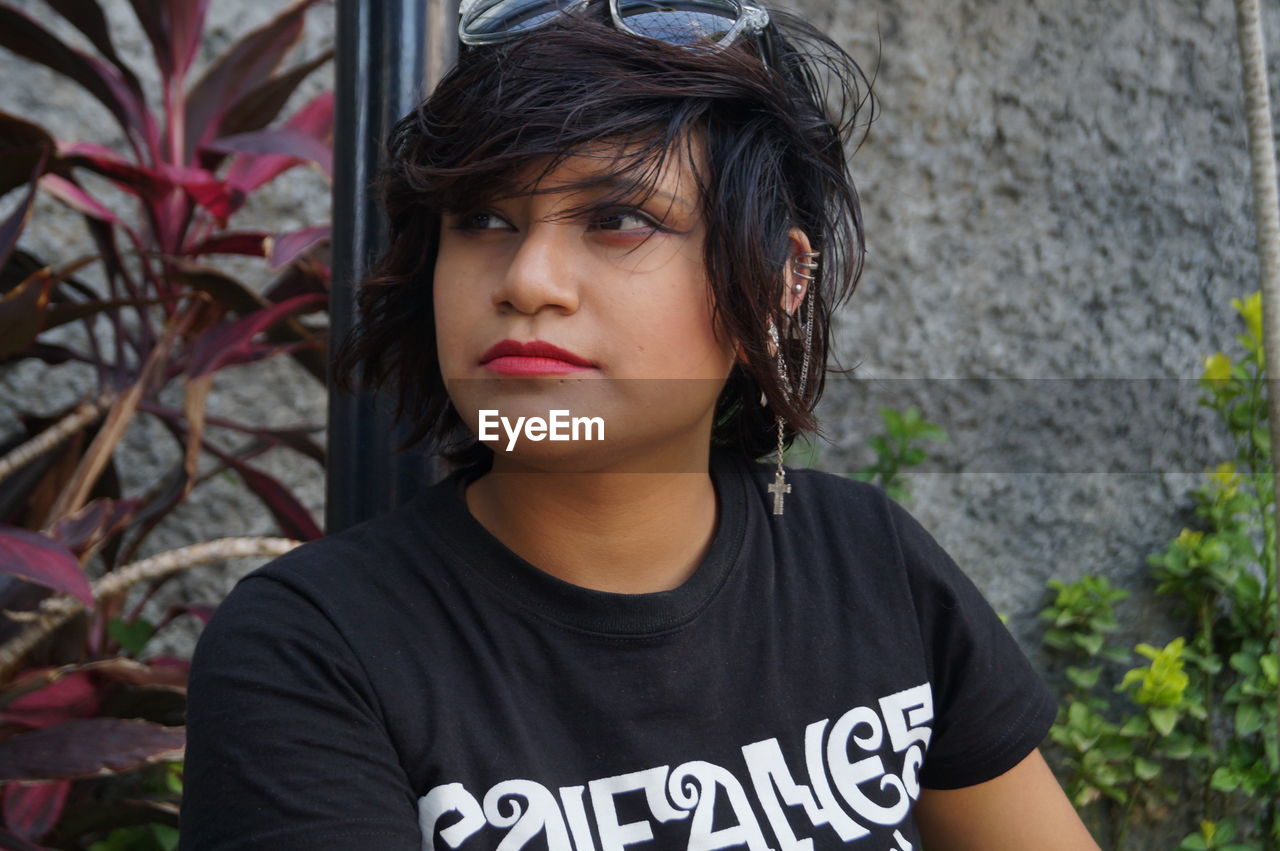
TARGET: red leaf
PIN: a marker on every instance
(91, 747)
(173, 29)
(76, 198)
(217, 197)
(64, 312)
(32, 809)
(315, 117)
(24, 149)
(227, 340)
(12, 226)
(294, 519)
(249, 171)
(296, 439)
(286, 247)
(95, 522)
(86, 16)
(284, 142)
(72, 696)
(240, 70)
(160, 671)
(249, 242)
(77, 529)
(201, 611)
(267, 156)
(308, 276)
(42, 560)
(22, 312)
(261, 351)
(138, 180)
(228, 293)
(26, 37)
(260, 107)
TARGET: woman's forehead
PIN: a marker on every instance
(620, 169)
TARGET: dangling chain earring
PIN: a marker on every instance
(801, 266)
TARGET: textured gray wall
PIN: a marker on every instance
(1054, 189)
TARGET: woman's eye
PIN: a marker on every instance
(479, 221)
(622, 220)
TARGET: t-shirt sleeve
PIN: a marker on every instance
(286, 747)
(991, 708)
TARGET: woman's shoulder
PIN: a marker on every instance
(819, 489)
(353, 550)
(342, 577)
(826, 503)
(854, 516)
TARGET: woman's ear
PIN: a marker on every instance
(799, 271)
(796, 276)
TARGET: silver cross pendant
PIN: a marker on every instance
(778, 488)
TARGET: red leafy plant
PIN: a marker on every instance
(90, 731)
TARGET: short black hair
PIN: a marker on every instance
(774, 140)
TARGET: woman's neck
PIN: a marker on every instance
(623, 532)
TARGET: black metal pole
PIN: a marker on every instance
(389, 54)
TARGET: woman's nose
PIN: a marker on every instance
(542, 272)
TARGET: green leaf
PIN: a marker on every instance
(932, 432)
(1145, 769)
(1059, 639)
(1226, 831)
(1179, 747)
(1163, 718)
(1215, 550)
(1149, 651)
(1133, 675)
(1225, 779)
(1248, 719)
(1085, 678)
(173, 777)
(913, 456)
(1269, 667)
(1091, 644)
(1135, 727)
(132, 636)
(166, 836)
(136, 838)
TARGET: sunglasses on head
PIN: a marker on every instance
(689, 23)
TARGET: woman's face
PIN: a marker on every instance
(622, 289)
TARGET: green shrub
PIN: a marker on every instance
(1194, 729)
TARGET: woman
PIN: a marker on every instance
(638, 218)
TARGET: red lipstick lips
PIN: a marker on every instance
(511, 357)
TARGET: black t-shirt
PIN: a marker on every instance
(412, 683)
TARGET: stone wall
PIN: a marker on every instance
(1051, 191)
(1054, 189)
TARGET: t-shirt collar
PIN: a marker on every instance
(445, 515)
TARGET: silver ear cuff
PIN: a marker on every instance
(804, 263)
